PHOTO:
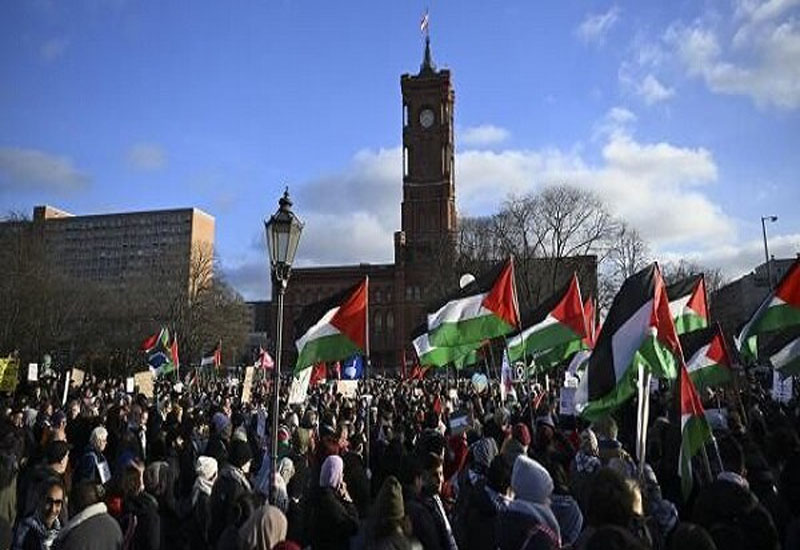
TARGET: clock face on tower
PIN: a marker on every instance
(426, 118)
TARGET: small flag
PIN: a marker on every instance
(707, 359)
(423, 22)
(214, 357)
(688, 304)
(264, 359)
(695, 430)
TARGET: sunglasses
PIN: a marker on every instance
(54, 501)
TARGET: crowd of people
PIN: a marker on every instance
(429, 464)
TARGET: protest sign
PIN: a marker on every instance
(33, 372)
(77, 377)
(129, 384)
(347, 388)
(566, 403)
(298, 392)
(247, 387)
(144, 381)
(459, 422)
(9, 369)
(781, 388)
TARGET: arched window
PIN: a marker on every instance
(390, 322)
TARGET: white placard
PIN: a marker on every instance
(129, 384)
(298, 392)
(77, 377)
(144, 380)
(247, 388)
(566, 403)
(348, 388)
(33, 372)
(781, 389)
(453, 394)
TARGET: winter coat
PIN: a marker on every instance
(88, 468)
(527, 526)
(31, 534)
(90, 529)
(230, 485)
(143, 510)
(734, 517)
(423, 522)
(334, 522)
(569, 516)
(479, 519)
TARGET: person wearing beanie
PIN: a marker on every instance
(530, 510)
(232, 483)
(388, 529)
(264, 529)
(334, 516)
(220, 439)
(206, 470)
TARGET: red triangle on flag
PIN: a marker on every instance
(351, 318)
(319, 374)
(697, 302)
(661, 317)
(569, 311)
(789, 288)
(718, 351)
(501, 299)
(690, 399)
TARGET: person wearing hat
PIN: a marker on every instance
(517, 444)
(220, 439)
(529, 522)
(232, 483)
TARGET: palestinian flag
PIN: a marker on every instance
(688, 304)
(485, 308)
(707, 359)
(430, 355)
(334, 328)
(559, 355)
(559, 320)
(638, 330)
(471, 358)
(780, 310)
(214, 357)
(695, 430)
(782, 350)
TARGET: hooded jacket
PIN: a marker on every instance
(90, 529)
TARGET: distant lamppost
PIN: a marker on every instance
(283, 231)
(766, 247)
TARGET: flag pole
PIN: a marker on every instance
(367, 365)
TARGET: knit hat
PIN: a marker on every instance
(483, 452)
(206, 467)
(240, 453)
(521, 433)
(219, 421)
(531, 481)
(546, 420)
(389, 502)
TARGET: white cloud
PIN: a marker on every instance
(761, 58)
(146, 157)
(653, 91)
(595, 27)
(485, 134)
(616, 121)
(53, 48)
(28, 169)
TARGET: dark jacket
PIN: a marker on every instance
(734, 517)
(334, 521)
(230, 485)
(423, 522)
(143, 510)
(477, 524)
(31, 534)
(88, 468)
(91, 529)
(527, 526)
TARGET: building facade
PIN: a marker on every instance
(425, 245)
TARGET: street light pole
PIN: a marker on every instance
(764, 219)
(283, 232)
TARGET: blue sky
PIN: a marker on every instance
(684, 116)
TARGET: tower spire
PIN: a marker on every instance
(427, 61)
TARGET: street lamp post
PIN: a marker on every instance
(283, 232)
(766, 247)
